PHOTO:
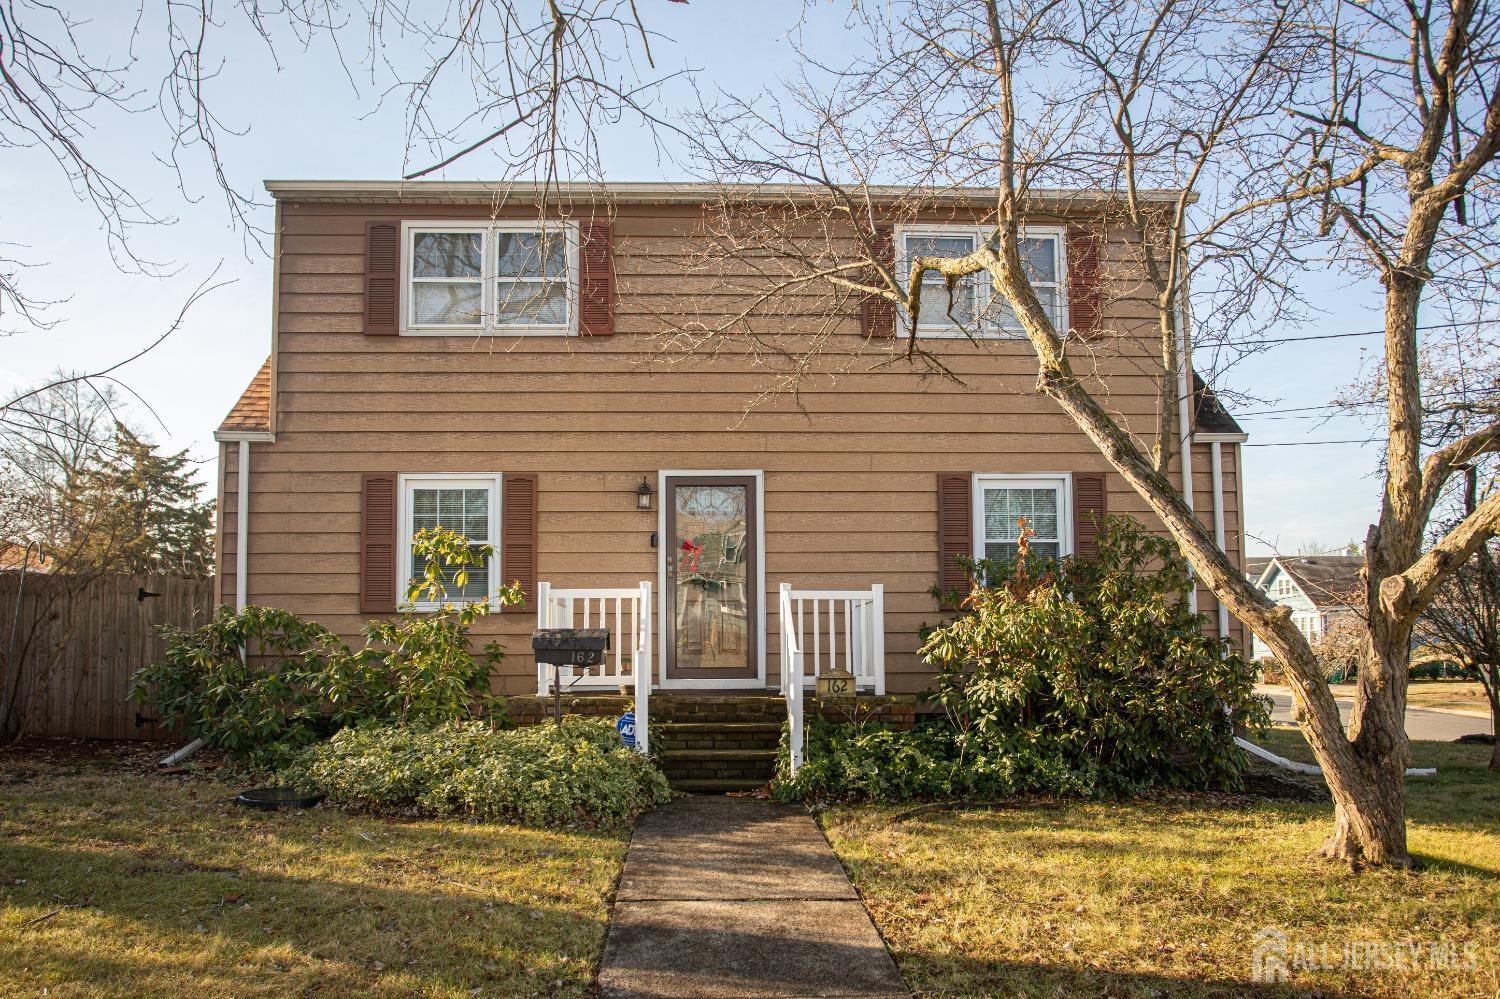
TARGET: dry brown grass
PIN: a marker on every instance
(118, 881)
(1163, 897)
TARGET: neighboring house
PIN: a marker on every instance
(1321, 590)
(427, 368)
(1255, 565)
(15, 557)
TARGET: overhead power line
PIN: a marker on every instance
(1378, 332)
(1364, 440)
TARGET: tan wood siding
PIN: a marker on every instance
(850, 464)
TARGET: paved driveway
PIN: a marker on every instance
(1421, 723)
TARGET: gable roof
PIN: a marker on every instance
(252, 413)
(1327, 580)
(1209, 414)
(1255, 566)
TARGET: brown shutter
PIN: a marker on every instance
(596, 279)
(955, 528)
(1085, 303)
(518, 534)
(1088, 511)
(877, 316)
(382, 277)
(377, 545)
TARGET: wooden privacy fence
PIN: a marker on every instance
(78, 640)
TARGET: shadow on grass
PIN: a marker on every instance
(197, 911)
(963, 976)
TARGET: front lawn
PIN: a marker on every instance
(118, 881)
(1165, 896)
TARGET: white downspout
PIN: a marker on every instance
(1184, 425)
(242, 527)
(1217, 467)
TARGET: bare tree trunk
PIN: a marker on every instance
(1492, 694)
(1370, 826)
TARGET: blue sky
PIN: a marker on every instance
(304, 119)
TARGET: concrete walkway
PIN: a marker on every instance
(734, 897)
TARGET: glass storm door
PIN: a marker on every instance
(711, 572)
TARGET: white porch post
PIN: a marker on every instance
(1216, 464)
(877, 639)
(641, 664)
(242, 528)
(543, 600)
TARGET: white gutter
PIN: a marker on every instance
(1217, 465)
(658, 192)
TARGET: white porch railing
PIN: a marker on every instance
(627, 615)
(825, 630)
(838, 629)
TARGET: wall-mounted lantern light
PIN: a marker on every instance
(643, 496)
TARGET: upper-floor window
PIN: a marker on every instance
(1282, 587)
(499, 277)
(975, 309)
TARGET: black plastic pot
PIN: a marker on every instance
(271, 798)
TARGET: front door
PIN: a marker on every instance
(711, 562)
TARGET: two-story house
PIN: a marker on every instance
(1321, 590)
(456, 354)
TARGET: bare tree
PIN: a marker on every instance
(528, 81)
(1227, 147)
(1462, 625)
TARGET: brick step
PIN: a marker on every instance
(774, 727)
(716, 786)
(717, 764)
(679, 755)
(716, 735)
(717, 710)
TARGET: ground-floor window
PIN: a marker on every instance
(465, 503)
(1310, 625)
(1001, 502)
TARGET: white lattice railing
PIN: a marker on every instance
(838, 629)
(627, 615)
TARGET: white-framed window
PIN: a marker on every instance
(1310, 625)
(492, 277)
(1283, 586)
(461, 501)
(1045, 500)
(976, 310)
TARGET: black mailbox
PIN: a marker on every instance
(570, 646)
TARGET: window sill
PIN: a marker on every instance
(951, 333)
(473, 331)
(431, 608)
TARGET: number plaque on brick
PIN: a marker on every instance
(836, 683)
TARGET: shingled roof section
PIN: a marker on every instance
(1328, 580)
(1209, 415)
(253, 412)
